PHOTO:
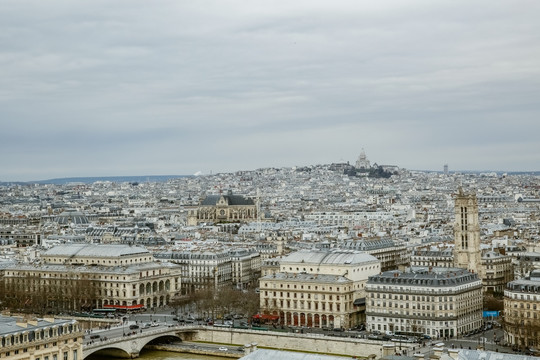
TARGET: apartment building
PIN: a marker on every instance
(246, 267)
(40, 339)
(391, 253)
(498, 271)
(522, 311)
(218, 267)
(440, 302)
(433, 258)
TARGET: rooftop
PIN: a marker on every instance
(303, 277)
(329, 257)
(9, 324)
(430, 277)
(94, 250)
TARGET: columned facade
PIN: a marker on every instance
(307, 300)
(318, 288)
(81, 281)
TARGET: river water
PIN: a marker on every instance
(162, 355)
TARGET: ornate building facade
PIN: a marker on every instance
(222, 209)
(318, 288)
(467, 253)
(362, 162)
(78, 277)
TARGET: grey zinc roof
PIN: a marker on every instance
(71, 216)
(367, 245)
(88, 250)
(8, 325)
(83, 269)
(231, 200)
(436, 276)
(303, 277)
(338, 257)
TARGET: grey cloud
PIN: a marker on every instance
(414, 83)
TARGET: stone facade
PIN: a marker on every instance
(439, 302)
(318, 288)
(32, 339)
(522, 312)
(84, 276)
(467, 253)
(223, 209)
(498, 271)
(202, 268)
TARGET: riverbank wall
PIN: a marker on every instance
(179, 348)
(314, 343)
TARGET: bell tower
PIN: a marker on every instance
(467, 254)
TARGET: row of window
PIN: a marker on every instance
(308, 295)
(308, 287)
(307, 305)
(413, 306)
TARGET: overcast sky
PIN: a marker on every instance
(105, 88)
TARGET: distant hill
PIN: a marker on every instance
(93, 179)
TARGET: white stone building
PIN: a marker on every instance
(319, 288)
(439, 302)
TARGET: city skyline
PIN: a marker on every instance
(123, 89)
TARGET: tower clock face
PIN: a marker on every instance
(222, 212)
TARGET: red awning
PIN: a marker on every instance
(126, 307)
(266, 317)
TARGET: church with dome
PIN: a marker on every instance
(362, 162)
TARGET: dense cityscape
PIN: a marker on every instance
(409, 263)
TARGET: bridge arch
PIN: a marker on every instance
(112, 351)
(129, 347)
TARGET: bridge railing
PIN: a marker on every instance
(100, 342)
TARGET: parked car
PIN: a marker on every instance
(133, 327)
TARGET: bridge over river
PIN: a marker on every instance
(116, 343)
